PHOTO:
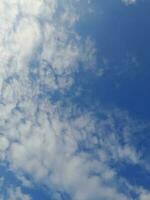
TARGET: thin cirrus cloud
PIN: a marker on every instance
(129, 2)
(63, 147)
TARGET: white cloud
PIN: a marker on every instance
(145, 195)
(129, 2)
(35, 41)
(55, 145)
(13, 193)
(49, 145)
(16, 193)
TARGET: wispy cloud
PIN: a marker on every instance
(59, 146)
(129, 2)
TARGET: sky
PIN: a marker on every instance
(74, 100)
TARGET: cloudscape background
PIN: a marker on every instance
(74, 100)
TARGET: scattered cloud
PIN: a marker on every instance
(57, 145)
(11, 192)
(16, 193)
(71, 152)
(129, 2)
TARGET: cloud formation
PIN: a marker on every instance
(60, 146)
(129, 2)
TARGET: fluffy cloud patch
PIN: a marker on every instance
(68, 151)
(38, 43)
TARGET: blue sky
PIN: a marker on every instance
(121, 35)
(74, 100)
